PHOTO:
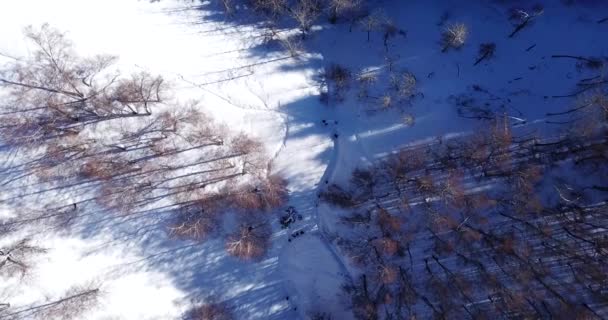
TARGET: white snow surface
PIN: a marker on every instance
(145, 275)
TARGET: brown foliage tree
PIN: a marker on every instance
(211, 311)
(249, 242)
(54, 92)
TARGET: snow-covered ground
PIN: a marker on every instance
(142, 274)
(265, 92)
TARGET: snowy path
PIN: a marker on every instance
(311, 269)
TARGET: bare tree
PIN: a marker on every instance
(199, 220)
(249, 242)
(17, 258)
(54, 93)
(522, 18)
(306, 12)
(139, 92)
(272, 8)
(373, 22)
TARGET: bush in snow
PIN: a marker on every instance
(337, 79)
(404, 84)
(454, 36)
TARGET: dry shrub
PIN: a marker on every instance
(486, 51)
(139, 92)
(373, 22)
(387, 274)
(365, 81)
(337, 80)
(274, 192)
(471, 235)
(366, 309)
(162, 147)
(592, 114)
(425, 184)
(475, 151)
(272, 8)
(399, 165)
(246, 198)
(522, 188)
(104, 167)
(387, 246)
(454, 36)
(292, 45)
(442, 223)
(122, 195)
(203, 130)
(364, 306)
(478, 202)
(357, 251)
(337, 196)
(500, 133)
(211, 311)
(242, 144)
(388, 222)
(409, 119)
(197, 221)
(339, 75)
(363, 181)
(170, 121)
(341, 8)
(306, 13)
(453, 191)
(249, 242)
(357, 218)
(270, 193)
(404, 84)
(66, 149)
(319, 315)
(17, 258)
(390, 31)
(507, 244)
